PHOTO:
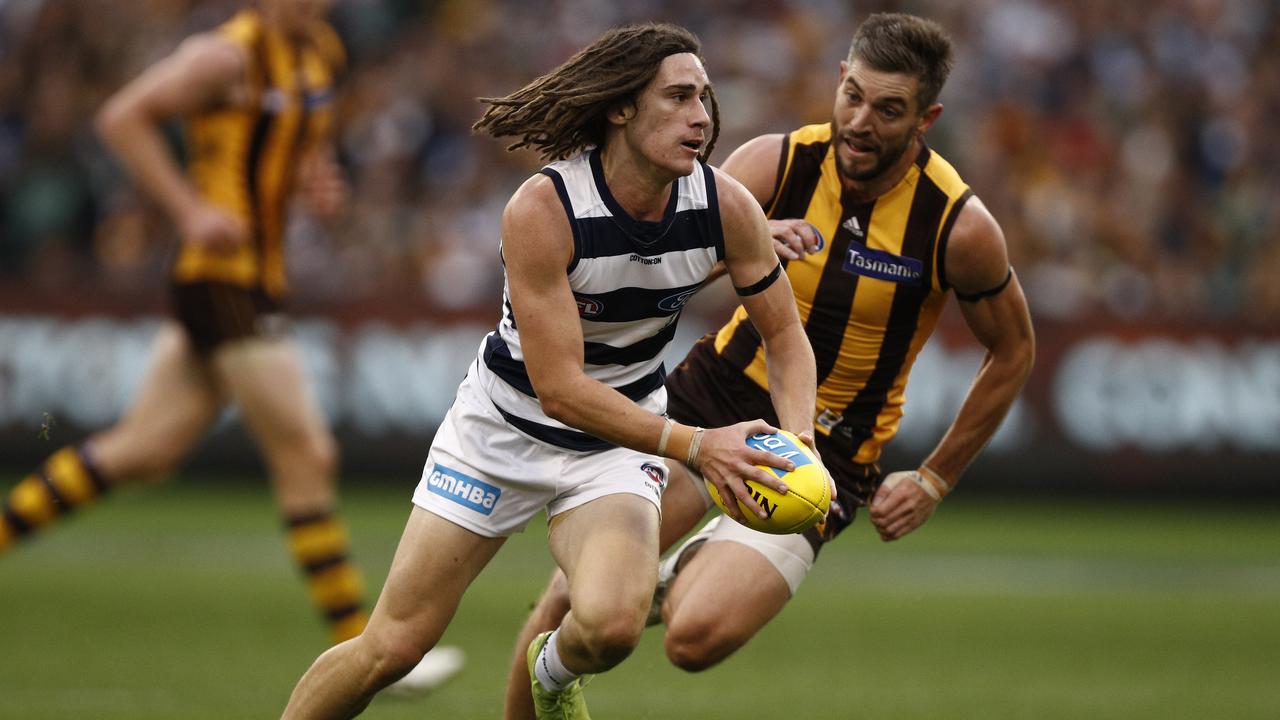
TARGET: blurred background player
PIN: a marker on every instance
(257, 95)
(880, 229)
(563, 408)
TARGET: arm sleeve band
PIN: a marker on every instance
(763, 284)
(975, 297)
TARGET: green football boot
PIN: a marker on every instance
(568, 704)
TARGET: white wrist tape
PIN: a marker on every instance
(932, 482)
(666, 435)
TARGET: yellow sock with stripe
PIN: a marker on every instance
(66, 481)
(318, 542)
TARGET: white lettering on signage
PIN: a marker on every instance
(1160, 396)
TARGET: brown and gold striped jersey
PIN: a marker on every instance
(243, 157)
(870, 297)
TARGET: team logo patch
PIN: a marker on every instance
(878, 264)
(658, 475)
(780, 446)
(589, 307)
(853, 226)
(462, 489)
(673, 303)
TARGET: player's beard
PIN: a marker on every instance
(885, 159)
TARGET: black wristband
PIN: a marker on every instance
(763, 283)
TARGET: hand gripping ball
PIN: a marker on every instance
(808, 494)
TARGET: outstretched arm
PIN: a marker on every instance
(996, 312)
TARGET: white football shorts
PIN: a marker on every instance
(490, 478)
(791, 555)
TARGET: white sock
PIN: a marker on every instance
(551, 673)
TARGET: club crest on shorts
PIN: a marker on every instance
(658, 475)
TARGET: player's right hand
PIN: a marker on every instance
(725, 460)
(794, 238)
(213, 227)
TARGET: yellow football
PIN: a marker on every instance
(808, 495)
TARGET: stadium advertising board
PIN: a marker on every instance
(1107, 405)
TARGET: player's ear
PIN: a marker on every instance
(929, 117)
(622, 112)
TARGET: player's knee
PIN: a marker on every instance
(121, 458)
(697, 647)
(392, 657)
(610, 639)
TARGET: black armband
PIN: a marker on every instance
(762, 285)
(975, 297)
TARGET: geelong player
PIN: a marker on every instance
(563, 408)
(878, 230)
(257, 96)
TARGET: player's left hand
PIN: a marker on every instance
(901, 504)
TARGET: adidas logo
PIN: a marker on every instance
(853, 226)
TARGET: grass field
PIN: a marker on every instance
(179, 602)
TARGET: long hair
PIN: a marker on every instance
(898, 43)
(564, 111)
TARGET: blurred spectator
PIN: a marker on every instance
(1126, 147)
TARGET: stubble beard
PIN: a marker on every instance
(887, 158)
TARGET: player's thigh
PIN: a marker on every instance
(175, 404)
(264, 377)
(608, 549)
(684, 502)
(433, 566)
(753, 573)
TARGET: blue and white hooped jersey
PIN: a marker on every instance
(631, 279)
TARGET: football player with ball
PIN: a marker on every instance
(876, 229)
(563, 409)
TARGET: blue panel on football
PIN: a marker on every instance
(779, 445)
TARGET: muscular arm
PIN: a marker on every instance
(749, 258)
(201, 72)
(755, 166)
(976, 262)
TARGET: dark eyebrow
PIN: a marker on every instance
(685, 87)
(882, 101)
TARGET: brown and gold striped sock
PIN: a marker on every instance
(67, 480)
(318, 542)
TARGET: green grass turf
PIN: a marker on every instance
(179, 602)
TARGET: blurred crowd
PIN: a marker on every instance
(1127, 148)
